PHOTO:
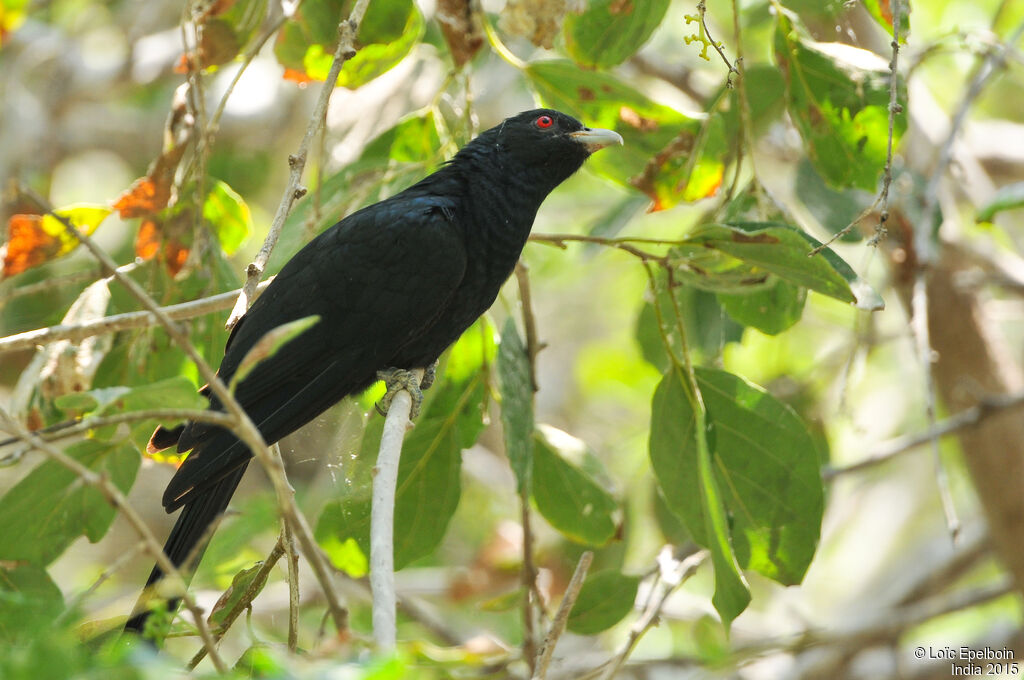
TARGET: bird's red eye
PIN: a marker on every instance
(544, 122)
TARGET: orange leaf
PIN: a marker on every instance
(28, 244)
(151, 242)
(300, 77)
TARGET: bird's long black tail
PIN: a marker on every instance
(188, 539)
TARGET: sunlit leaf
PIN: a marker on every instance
(389, 30)
(607, 32)
(839, 101)
(228, 215)
(605, 599)
(33, 240)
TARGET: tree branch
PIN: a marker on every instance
(382, 518)
(562, 616)
(120, 322)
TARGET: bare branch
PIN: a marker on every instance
(963, 420)
(120, 322)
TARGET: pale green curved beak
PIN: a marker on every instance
(596, 138)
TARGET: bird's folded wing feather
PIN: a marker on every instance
(378, 280)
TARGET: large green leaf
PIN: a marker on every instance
(765, 464)
(605, 599)
(607, 32)
(839, 101)
(684, 469)
(649, 130)
(743, 254)
(513, 366)
(567, 496)
(51, 507)
(428, 475)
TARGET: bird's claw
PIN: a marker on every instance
(396, 380)
(429, 375)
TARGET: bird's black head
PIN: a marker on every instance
(542, 147)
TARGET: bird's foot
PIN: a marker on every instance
(396, 380)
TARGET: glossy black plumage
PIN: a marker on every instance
(394, 284)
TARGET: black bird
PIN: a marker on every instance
(394, 284)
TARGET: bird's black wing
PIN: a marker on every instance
(378, 280)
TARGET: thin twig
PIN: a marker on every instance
(347, 31)
(73, 427)
(288, 540)
(120, 322)
(963, 420)
(562, 616)
(116, 498)
(382, 518)
(529, 580)
(671, 578)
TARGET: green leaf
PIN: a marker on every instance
(228, 215)
(51, 507)
(269, 345)
(306, 43)
(605, 599)
(227, 33)
(377, 58)
(428, 474)
(569, 498)
(242, 582)
(29, 601)
(839, 100)
(755, 249)
(649, 130)
(513, 366)
(684, 472)
(770, 310)
(1007, 198)
(610, 31)
(765, 464)
(346, 555)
